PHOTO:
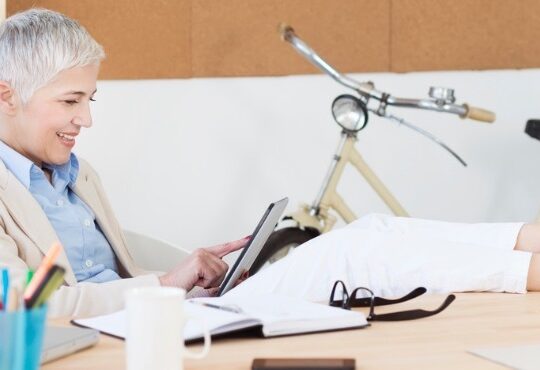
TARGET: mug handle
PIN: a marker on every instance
(206, 334)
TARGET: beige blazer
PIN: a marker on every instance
(26, 234)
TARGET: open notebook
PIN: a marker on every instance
(274, 315)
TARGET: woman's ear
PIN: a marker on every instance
(8, 99)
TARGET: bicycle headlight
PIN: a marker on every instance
(350, 113)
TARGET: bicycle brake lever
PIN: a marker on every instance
(427, 134)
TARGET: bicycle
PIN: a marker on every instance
(351, 114)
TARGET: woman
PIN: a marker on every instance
(48, 70)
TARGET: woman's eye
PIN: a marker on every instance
(70, 102)
(92, 99)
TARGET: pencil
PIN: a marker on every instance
(13, 301)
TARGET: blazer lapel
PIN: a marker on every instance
(31, 218)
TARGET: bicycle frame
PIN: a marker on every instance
(318, 216)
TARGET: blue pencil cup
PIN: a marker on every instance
(21, 338)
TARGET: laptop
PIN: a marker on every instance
(62, 341)
(262, 232)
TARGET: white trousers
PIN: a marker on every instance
(392, 256)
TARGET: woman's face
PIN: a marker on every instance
(45, 129)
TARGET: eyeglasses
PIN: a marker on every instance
(364, 297)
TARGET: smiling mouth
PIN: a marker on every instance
(66, 136)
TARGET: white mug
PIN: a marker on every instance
(154, 332)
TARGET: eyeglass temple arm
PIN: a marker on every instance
(378, 301)
(413, 314)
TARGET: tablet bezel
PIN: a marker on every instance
(249, 254)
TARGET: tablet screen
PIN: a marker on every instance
(250, 252)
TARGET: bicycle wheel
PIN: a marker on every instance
(279, 244)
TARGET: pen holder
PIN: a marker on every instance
(21, 338)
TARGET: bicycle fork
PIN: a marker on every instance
(317, 216)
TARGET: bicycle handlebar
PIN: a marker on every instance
(479, 114)
(287, 34)
(367, 89)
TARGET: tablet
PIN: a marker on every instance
(250, 252)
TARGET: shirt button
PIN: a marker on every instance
(87, 223)
(89, 263)
(60, 202)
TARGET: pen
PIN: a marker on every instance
(42, 270)
(29, 275)
(52, 284)
(5, 287)
(228, 308)
(32, 300)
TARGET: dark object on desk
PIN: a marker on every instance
(533, 128)
(364, 297)
(304, 364)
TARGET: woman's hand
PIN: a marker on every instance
(204, 267)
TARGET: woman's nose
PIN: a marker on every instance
(82, 122)
(84, 118)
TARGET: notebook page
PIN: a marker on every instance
(217, 321)
(112, 324)
(287, 315)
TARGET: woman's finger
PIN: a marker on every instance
(222, 250)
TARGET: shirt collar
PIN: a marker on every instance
(64, 174)
(22, 167)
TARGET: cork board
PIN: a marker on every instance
(142, 38)
(465, 34)
(239, 37)
(213, 38)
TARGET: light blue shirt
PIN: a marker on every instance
(89, 253)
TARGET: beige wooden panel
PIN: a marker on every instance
(239, 38)
(464, 34)
(142, 38)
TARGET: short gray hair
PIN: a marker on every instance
(37, 44)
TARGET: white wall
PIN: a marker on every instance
(196, 161)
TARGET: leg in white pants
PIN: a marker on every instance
(393, 255)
